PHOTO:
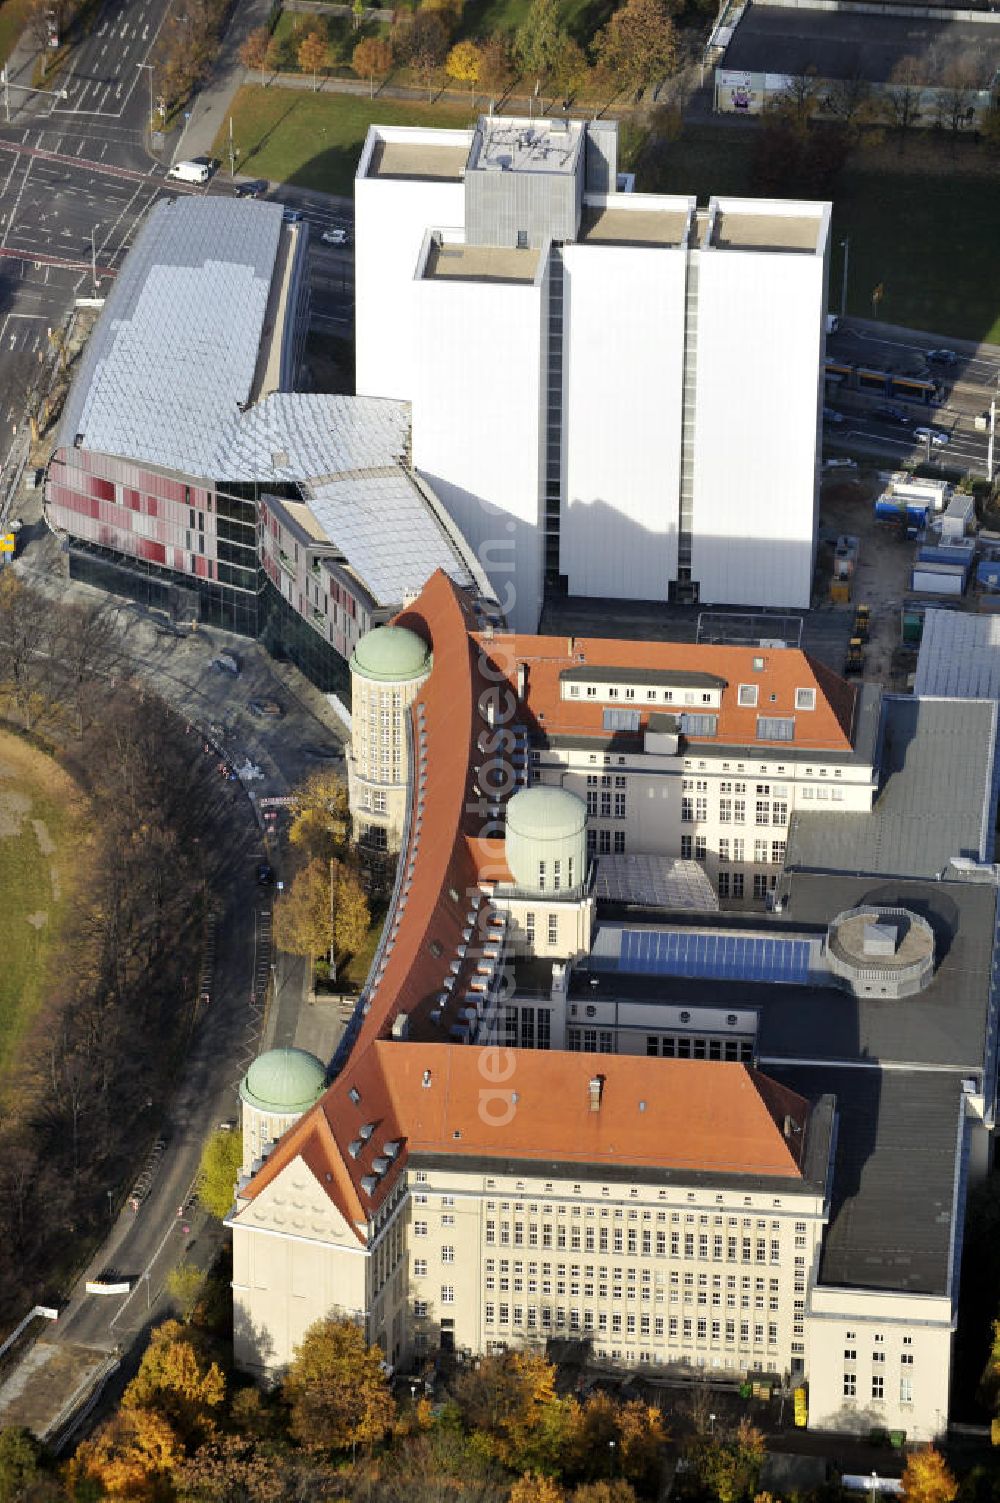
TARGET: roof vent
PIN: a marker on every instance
(457, 1133)
(427, 1079)
(364, 1133)
(369, 1184)
(642, 1106)
(354, 1095)
(354, 1148)
(594, 1090)
(880, 939)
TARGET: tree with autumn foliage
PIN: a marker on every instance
(496, 69)
(610, 1490)
(638, 47)
(322, 821)
(324, 908)
(729, 1466)
(927, 1478)
(463, 63)
(217, 1173)
(177, 1383)
(254, 51)
(511, 1399)
(536, 1487)
(313, 54)
(335, 1389)
(371, 59)
(132, 1455)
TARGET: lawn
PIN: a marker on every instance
(357, 968)
(314, 140)
(41, 833)
(926, 233)
(13, 14)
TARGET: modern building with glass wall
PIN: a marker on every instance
(190, 473)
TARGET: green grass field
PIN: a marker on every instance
(929, 236)
(314, 140)
(40, 840)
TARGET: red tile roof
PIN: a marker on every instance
(698, 1115)
(827, 727)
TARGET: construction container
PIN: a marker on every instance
(938, 579)
(960, 518)
(959, 551)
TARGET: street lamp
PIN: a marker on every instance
(711, 1424)
(845, 246)
(111, 1208)
(149, 70)
(611, 1458)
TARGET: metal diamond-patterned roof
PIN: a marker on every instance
(176, 346)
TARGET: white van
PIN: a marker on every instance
(190, 172)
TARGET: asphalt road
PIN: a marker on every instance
(143, 1246)
(76, 181)
(966, 391)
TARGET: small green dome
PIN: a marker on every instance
(546, 813)
(546, 839)
(391, 654)
(283, 1081)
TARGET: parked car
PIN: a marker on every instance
(265, 875)
(936, 437)
(254, 189)
(831, 415)
(335, 236)
(227, 662)
(292, 216)
(889, 414)
(942, 357)
(840, 464)
(266, 709)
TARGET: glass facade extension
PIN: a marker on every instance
(286, 635)
(214, 603)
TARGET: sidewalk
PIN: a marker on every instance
(211, 104)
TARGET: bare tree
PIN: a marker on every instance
(902, 96)
(956, 98)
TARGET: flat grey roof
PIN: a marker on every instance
(946, 1024)
(735, 230)
(481, 263)
(935, 799)
(892, 1213)
(632, 227)
(418, 159)
(846, 44)
(176, 346)
(959, 656)
(510, 144)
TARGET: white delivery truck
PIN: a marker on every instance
(190, 172)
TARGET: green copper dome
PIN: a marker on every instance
(391, 654)
(283, 1081)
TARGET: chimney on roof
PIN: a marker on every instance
(595, 1087)
(522, 680)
